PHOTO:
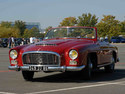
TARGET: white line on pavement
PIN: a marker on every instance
(73, 88)
(6, 93)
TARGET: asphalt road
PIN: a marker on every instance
(11, 82)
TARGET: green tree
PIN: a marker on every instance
(122, 24)
(7, 32)
(47, 29)
(34, 32)
(87, 20)
(108, 26)
(21, 26)
(27, 33)
(6, 24)
(69, 21)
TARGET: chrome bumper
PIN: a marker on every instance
(49, 68)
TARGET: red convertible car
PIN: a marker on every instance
(71, 48)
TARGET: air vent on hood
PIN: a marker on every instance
(46, 44)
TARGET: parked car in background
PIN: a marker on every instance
(106, 40)
(4, 42)
(18, 41)
(117, 40)
(26, 41)
(122, 40)
(71, 48)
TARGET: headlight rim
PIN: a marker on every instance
(13, 57)
(70, 52)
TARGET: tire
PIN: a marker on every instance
(110, 68)
(87, 72)
(28, 75)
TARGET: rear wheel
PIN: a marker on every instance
(110, 68)
(28, 75)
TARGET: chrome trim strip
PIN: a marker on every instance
(103, 65)
(50, 68)
(41, 52)
(16, 68)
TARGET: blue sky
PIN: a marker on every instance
(52, 12)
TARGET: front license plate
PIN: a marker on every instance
(38, 68)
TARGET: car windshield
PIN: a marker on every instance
(71, 33)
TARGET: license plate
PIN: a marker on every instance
(38, 68)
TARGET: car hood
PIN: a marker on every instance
(57, 45)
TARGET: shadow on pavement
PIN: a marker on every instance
(75, 77)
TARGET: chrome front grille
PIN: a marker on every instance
(41, 58)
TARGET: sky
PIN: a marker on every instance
(52, 12)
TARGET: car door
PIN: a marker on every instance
(104, 53)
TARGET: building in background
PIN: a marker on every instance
(30, 25)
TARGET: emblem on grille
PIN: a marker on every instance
(39, 59)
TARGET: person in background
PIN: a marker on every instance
(31, 40)
(0, 41)
(13, 42)
(9, 42)
(22, 41)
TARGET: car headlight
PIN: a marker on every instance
(73, 54)
(13, 54)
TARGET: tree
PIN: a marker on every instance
(27, 33)
(33, 32)
(108, 26)
(47, 29)
(21, 26)
(6, 24)
(8, 32)
(122, 24)
(87, 20)
(69, 21)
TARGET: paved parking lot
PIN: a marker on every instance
(11, 82)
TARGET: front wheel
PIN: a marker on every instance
(28, 75)
(87, 72)
(110, 68)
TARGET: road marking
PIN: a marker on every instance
(6, 70)
(73, 88)
(6, 93)
(120, 63)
